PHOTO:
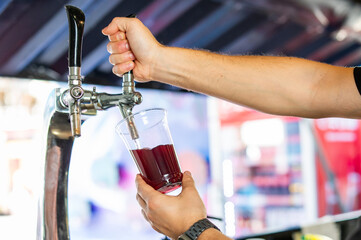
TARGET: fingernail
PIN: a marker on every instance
(113, 70)
(120, 36)
(109, 48)
(127, 46)
(188, 173)
(131, 55)
(130, 64)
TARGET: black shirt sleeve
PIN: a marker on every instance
(356, 233)
(357, 76)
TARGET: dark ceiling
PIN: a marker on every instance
(34, 33)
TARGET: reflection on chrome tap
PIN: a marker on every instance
(126, 110)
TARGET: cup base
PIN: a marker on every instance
(170, 187)
(167, 183)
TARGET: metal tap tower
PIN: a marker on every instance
(64, 115)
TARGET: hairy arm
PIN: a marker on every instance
(275, 85)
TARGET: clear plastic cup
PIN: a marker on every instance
(153, 149)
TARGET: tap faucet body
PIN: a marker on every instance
(53, 209)
(65, 112)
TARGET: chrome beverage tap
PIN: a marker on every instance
(66, 110)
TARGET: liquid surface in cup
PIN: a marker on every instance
(159, 167)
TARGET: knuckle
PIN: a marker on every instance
(152, 204)
(135, 20)
(119, 46)
(145, 215)
(116, 19)
(150, 217)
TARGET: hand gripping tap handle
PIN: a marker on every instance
(76, 19)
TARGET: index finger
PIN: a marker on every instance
(117, 24)
(144, 190)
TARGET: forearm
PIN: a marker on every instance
(276, 85)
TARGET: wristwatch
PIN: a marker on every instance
(196, 229)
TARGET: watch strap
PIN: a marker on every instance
(196, 229)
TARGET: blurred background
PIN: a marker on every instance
(256, 172)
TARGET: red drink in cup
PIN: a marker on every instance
(153, 150)
(160, 167)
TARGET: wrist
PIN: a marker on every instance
(197, 229)
(157, 63)
(171, 66)
(210, 233)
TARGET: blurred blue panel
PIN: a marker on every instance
(342, 53)
(211, 27)
(313, 46)
(41, 40)
(3, 5)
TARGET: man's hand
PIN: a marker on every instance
(132, 47)
(171, 215)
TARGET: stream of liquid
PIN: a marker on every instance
(137, 143)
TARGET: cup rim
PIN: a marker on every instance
(142, 112)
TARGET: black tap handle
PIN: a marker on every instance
(76, 19)
(133, 15)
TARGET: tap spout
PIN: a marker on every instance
(126, 109)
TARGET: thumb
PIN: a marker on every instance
(187, 181)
